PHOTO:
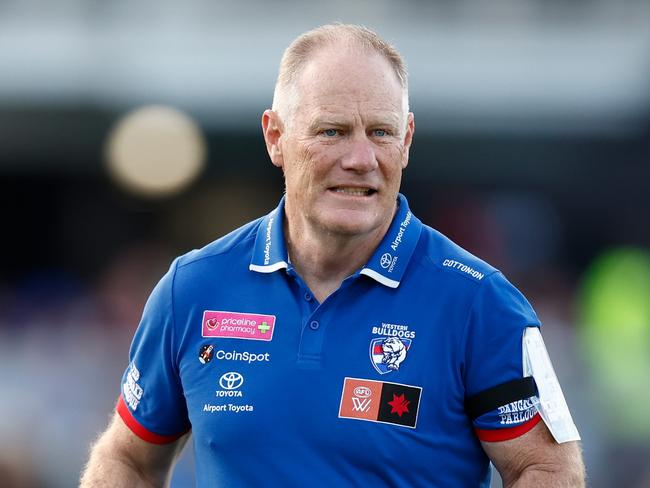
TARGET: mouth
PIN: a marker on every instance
(353, 191)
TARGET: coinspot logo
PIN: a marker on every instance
(231, 380)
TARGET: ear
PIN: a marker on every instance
(272, 128)
(408, 139)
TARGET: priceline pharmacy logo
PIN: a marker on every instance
(238, 325)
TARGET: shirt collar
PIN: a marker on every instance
(387, 265)
(270, 251)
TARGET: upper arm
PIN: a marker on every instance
(152, 401)
(121, 458)
(534, 459)
(151, 423)
(497, 396)
(508, 423)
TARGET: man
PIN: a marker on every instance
(338, 341)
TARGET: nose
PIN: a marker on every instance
(360, 155)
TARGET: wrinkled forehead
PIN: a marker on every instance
(345, 77)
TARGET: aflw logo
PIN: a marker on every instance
(361, 404)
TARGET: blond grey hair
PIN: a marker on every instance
(302, 49)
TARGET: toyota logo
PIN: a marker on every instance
(231, 380)
(385, 260)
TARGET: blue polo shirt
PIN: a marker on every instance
(367, 388)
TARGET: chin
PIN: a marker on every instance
(348, 225)
(346, 230)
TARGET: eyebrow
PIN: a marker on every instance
(320, 121)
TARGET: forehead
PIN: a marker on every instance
(340, 80)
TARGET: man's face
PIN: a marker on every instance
(346, 144)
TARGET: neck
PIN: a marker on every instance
(324, 259)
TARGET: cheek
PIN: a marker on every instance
(311, 161)
(304, 157)
(312, 152)
(391, 161)
(299, 169)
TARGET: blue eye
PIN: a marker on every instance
(380, 132)
(330, 132)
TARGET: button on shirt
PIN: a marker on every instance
(366, 388)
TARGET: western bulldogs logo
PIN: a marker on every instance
(388, 353)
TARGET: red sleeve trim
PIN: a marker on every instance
(139, 430)
(496, 435)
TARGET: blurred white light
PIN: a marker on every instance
(155, 151)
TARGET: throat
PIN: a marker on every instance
(323, 259)
(323, 268)
(322, 290)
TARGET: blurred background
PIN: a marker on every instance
(130, 133)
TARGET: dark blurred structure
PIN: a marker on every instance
(532, 150)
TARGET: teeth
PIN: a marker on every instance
(353, 191)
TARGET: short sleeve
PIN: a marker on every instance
(152, 403)
(498, 318)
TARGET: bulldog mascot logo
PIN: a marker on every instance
(388, 353)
